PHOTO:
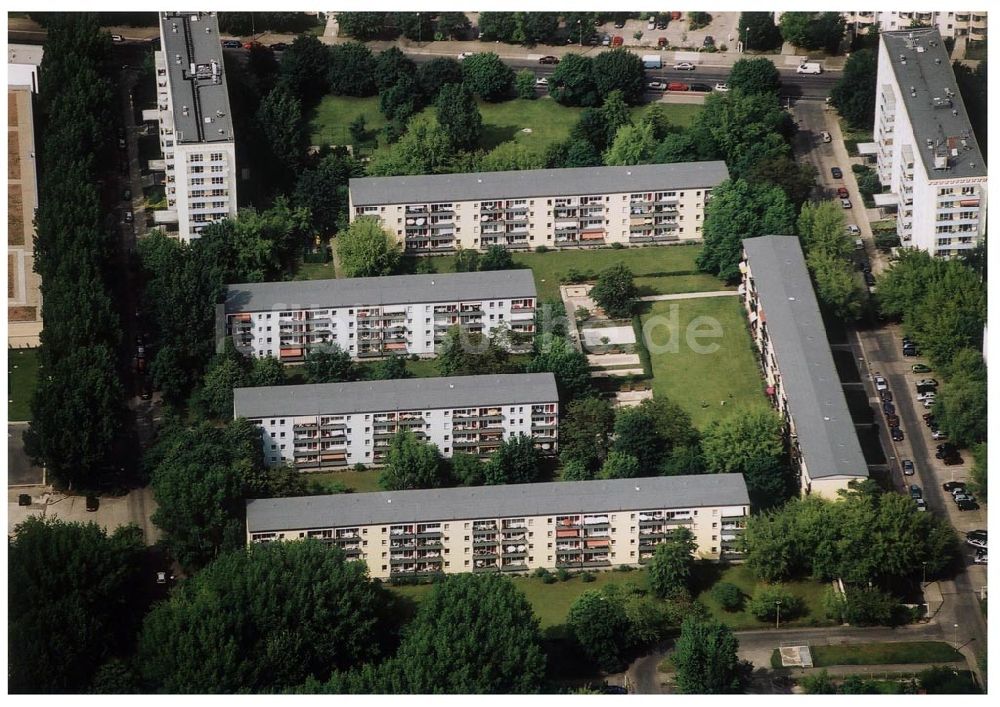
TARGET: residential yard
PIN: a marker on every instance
(22, 376)
(708, 385)
(355, 481)
(902, 653)
(810, 592)
(548, 121)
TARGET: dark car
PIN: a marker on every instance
(231, 44)
(866, 266)
(892, 421)
(897, 434)
(911, 351)
(915, 491)
(836, 172)
(24, 499)
(931, 422)
(549, 60)
(278, 47)
(885, 395)
(140, 365)
(907, 467)
(869, 279)
(704, 87)
(614, 690)
(93, 503)
(950, 486)
(953, 460)
(967, 505)
(888, 408)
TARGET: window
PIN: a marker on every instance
(197, 169)
(216, 167)
(216, 157)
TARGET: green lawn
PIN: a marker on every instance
(884, 653)
(356, 481)
(811, 593)
(22, 376)
(548, 121)
(315, 271)
(700, 381)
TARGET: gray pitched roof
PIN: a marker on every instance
(402, 394)
(933, 102)
(343, 510)
(397, 289)
(186, 44)
(368, 191)
(826, 433)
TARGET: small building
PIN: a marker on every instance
(513, 528)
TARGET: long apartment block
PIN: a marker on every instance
(968, 24)
(515, 528)
(338, 425)
(372, 317)
(927, 153)
(195, 123)
(587, 206)
(795, 357)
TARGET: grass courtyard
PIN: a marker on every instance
(548, 121)
(22, 377)
(904, 652)
(718, 380)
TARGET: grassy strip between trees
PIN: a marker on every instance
(901, 653)
(809, 591)
(22, 376)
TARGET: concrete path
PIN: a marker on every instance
(688, 295)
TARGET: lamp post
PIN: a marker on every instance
(746, 44)
(777, 616)
(579, 23)
(956, 637)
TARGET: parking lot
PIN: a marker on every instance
(678, 33)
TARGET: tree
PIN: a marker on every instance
(813, 30)
(729, 596)
(819, 684)
(670, 568)
(524, 85)
(554, 354)
(305, 68)
(961, 409)
(510, 156)
(412, 464)
(467, 469)
(759, 31)
(391, 368)
(619, 465)
(436, 73)
(323, 190)
(750, 443)
(979, 477)
(466, 260)
(115, 677)
(425, 148)
(366, 249)
(633, 144)
(572, 83)
(363, 26)
(400, 101)
(415, 25)
(600, 625)
(620, 69)
(474, 634)
(264, 619)
(351, 70)
(871, 607)
(854, 94)
(592, 126)
(585, 433)
(466, 354)
(515, 461)
(458, 115)
(615, 115)
(796, 179)
(755, 76)
(228, 370)
(837, 287)
(615, 292)
(453, 25)
(773, 601)
(72, 600)
(740, 210)
(330, 365)
(658, 119)
(488, 77)
(706, 661)
(636, 434)
(280, 117)
(537, 27)
(582, 153)
(496, 257)
(498, 26)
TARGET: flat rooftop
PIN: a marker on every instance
(934, 104)
(477, 186)
(502, 501)
(375, 291)
(392, 395)
(192, 53)
(816, 402)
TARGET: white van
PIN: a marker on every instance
(809, 67)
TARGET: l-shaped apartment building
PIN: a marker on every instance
(795, 357)
(571, 207)
(513, 528)
(372, 317)
(338, 425)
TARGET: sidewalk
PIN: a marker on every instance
(689, 295)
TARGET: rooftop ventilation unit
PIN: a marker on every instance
(921, 50)
(173, 27)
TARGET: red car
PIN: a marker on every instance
(617, 41)
(252, 45)
(661, 42)
(678, 86)
(842, 193)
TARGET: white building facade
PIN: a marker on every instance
(573, 207)
(513, 528)
(195, 125)
(971, 25)
(338, 425)
(927, 153)
(375, 317)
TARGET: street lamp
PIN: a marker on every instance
(777, 616)
(746, 44)
(956, 637)
(579, 23)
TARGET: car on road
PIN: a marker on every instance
(967, 505)
(126, 195)
(278, 47)
(231, 44)
(915, 491)
(656, 86)
(880, 383)
(866, 266)
(853, 230)
(885, 395)
(825, 136)
(127, 217)
(908, 468)
(703, 87)
(892, 421)
(921, 504)
(869, 278)
(888, 408)
(684, 66)
(836, 172)
(146, 391)
(678, 86)
(122, 144)
(116, 38)
(928, 382)
(950, 486)
(897, 434)
(541, 81)
(548, 59)
(721, 87)
(846, 203)
(843, 193)
(93, 503)
(979, 558)
(920, 368)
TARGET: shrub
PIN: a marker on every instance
(729, 596)
(873, 607)
(540, 572)
(563, 574)
(617, 246)
(542, 249)
(587, 577)
(764, 605)
(624, 568)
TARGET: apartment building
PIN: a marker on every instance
(338, 425)
(515, 528)
(196, 127)
(373, 317)
(592, 206)
(971, 25)
(799, 372)
(24, 298)
(927, 153)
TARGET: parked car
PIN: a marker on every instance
(661, 42)
(619, 24)
(93, 503)
(888, 408)
(915, 491)
(959, 491)
(967, 505)
(929, 395)
(117, 38)
(656, 86)
(911, 351)
(921, 504)
(979, 558)
(976, 538)
(548, 59)
(231, 44)
(938, 434)
(880, 383)
(953, 459)
(617, 40)
(127, 217)
(869, 279)
(825, 136)
(465, 55)
(853, 230)
(950, 486)
(722, 87)
(278, 47)
(920, 368)
(606, 40)
(885, 395)
(662, 24)
(651, 25)
(684, 66)
(908, 468)
(929, 382)
(678, 86)
(703, 87)
(845, 203)
(892, 421)
(897, 434)
(963, 497)
(252, 45)
(709, 41)
(842, 192)
(836, 172)
(140, 365)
